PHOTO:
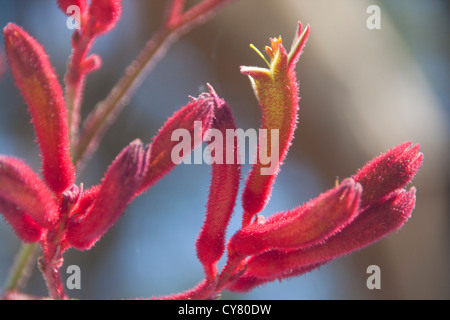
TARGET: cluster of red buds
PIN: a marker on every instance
(60, 214)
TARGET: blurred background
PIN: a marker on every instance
(363, 91)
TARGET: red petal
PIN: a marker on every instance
(304, 226)
(64, 4)
(24, 226)
(161, 161)
(116, 191)
(373, 223)
(277, 93)
(38, 83)
(25, 201)
(223, 191)
(104, 14)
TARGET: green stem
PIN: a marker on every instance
(21, 269)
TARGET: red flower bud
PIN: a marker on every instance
(115, 193)
(65, 4)
(104, 14)
(161, 162)
(225, 176)
(25, 201)
(304, 226)
(376, 221)
(389, 171)
(276, 89)
(38, 84)
(23, 225)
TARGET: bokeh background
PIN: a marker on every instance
(363, 91)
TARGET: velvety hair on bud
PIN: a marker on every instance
(104, 14)
(25, 201)
(115, 193)
(276, 90)
(199, 110)
(43, 94)
(225, 178)
(64, 5)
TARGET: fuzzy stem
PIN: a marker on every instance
(52, 259)
(50, 271)
(75, 80)
(233, 264)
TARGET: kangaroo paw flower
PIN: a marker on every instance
(164, 145)
(276, 89)
(304, 226)
(383, 207)
(119, 185)
(39, 85)
(223, 190)
(372, 224)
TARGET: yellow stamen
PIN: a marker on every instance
(260, 54)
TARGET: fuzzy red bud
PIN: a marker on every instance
(114, 194)
(25, 201)
(43, 94)
(104, 14)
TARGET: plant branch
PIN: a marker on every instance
(104, 114)
(75, 80)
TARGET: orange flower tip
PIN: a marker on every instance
(105, 14)
(269, 52)
(276, 48)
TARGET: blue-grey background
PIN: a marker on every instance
(363, 91)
